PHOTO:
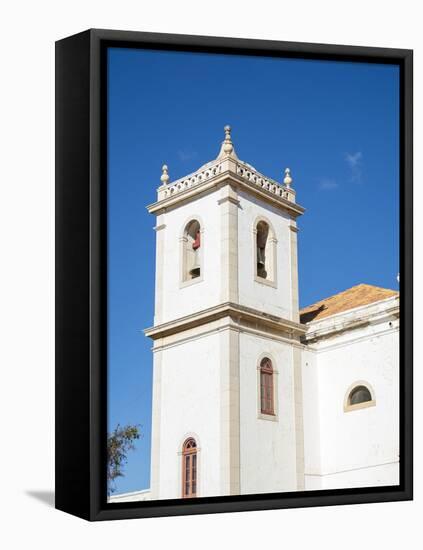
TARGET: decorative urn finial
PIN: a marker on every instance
(227, 144)
(165, 176)
(287, 179)
(227, 149)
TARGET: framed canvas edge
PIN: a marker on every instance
(93, 504)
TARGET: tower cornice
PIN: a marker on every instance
(189, 188)
(240, 314)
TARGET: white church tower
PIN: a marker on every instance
(227, 390)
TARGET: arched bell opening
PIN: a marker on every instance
(261, 249)
(264, 252)
(192, 251)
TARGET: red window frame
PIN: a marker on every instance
(189, 468)
(266, 387)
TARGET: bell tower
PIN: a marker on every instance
(227, 395)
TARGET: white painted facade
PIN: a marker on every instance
(359, 447)
(179, 298)
(268, 444)
(210, 334)
(190, 406)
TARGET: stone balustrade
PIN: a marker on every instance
(190, 181)
(242, 170)
(268, 184)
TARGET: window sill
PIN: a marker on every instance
(265, 282)
(264, 416)
(190, 282)
(365, 405)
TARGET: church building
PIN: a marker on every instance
(250, 394)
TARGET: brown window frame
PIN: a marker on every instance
(189, 468)
(267, 401)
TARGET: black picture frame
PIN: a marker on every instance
(81, 274)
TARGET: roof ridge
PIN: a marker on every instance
(358, 295)
(345, 291)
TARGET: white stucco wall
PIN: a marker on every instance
(190, 406)
(194, 379)
(374, 476)
(133, 496)
(311, 413)
(357, 447)
(268, 458)
(276, 301)
(178, 300)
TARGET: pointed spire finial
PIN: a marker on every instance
(227, 148)
(165, 176)
(227, 144)
(287, 179)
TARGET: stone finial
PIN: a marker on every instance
(287, 179)
(227, 144)
(227, 148)
(165, 176)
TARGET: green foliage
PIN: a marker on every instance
(119, 443)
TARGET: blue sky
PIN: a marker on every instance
(334, 124)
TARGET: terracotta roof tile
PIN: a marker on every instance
(359, 295)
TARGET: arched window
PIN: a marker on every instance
(189, 468)
(266, 386)
(191, 251)
(360, 394)
(358, 397)
(265, 252)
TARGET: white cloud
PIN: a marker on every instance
(326, 184)
(354, 159)
(355, 163)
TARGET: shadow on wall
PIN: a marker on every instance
(46, 497)
(310, 315)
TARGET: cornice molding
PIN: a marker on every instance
(347, 323)
(237, 312)
(160, 227)
(223, 178)
(230, 199)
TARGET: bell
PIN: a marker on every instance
(260, 258)
(195, 270)
(197, 241)
(261, 266)
(261, 272)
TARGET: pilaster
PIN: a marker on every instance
(299, 421)
(229, 205)
(160, 235)
(155, 425)
(230, 413)
(293, 244)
